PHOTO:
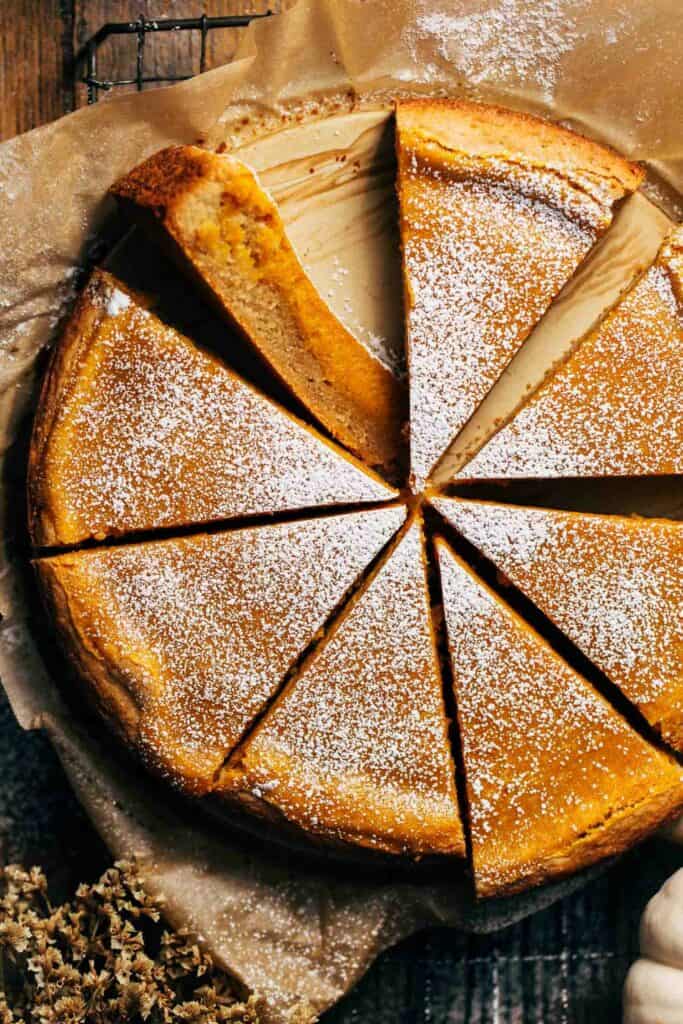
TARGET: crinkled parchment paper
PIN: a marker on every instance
(308, 98)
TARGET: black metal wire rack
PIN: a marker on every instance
(142, 28)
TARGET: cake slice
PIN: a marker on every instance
(614, 407)
(224, 229)
(356, 749)
(497, 209)
(612, 584)
(556, 779)
(138, 428)
(182, 642)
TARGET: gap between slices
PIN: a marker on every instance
(139, 429)
(622, 254)
(182, 642)
(225, 230)
(556, 780)
(356, 747)
(613, 406)
(613, 585)
(497, 210)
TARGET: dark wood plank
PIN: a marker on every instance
(35, 44)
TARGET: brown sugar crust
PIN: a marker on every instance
(226, 231)
(556, 779)
(356, 748)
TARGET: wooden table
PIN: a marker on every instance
(39, 40)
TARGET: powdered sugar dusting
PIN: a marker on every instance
(366, 716)
(613, 585)
(613, 409)
(155, 432)
(483, 262)
(203, 629)
(117, 302)
(546, 759)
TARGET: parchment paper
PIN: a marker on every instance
(298, 936)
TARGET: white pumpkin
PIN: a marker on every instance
(653, 993)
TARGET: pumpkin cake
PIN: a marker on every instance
(224, 228)
(614, 407)
(138, 429)
(357, 747)
(612, 584)
(182, 642)
(556, 779)
(497, 210)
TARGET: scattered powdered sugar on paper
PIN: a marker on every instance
(202, 629)
(546, 758)
(613, 585)
(613, 409)
(483, 263)
(366, 716)
(157, 433)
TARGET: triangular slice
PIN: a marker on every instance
(356, 750)
(225, 229)
(612, 584)
(556, 779)
(182, 642)
(138, 428)
(497, 210)
(614, 408)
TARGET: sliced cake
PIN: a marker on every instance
(497, 209)
(356, 749)
(612, 584)
(556, 779)
(182, 642)
(138, 428)
(614, 408)
(225, 229)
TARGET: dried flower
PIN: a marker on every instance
(103, 958)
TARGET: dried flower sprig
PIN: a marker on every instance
(105, 957)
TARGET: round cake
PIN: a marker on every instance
(273, 587)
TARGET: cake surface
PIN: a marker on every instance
(497, 210)
(225, 229)
(357, 746)
(138, 429)
(556, 779)
(182, 642)
(613, 585)
(614, 407)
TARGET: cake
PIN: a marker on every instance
(139, 429)
(497, 210)
(626, 373)
(612, 584)
(184, 641)
(224, 228)
(357, 746)
(556, 779)
(269, 625)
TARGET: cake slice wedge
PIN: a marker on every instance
(614, 407)
(139, 429)
(356, 749)
(225, 230)
(182, 642)
(556, 780)
(497, 210)
(612, 584)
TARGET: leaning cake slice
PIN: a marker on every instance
(182, 642)
(225, 229)
(497, 209)
(612, 584)
(356, 749)
(614, 408)
(139, 428)
(556, 779)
